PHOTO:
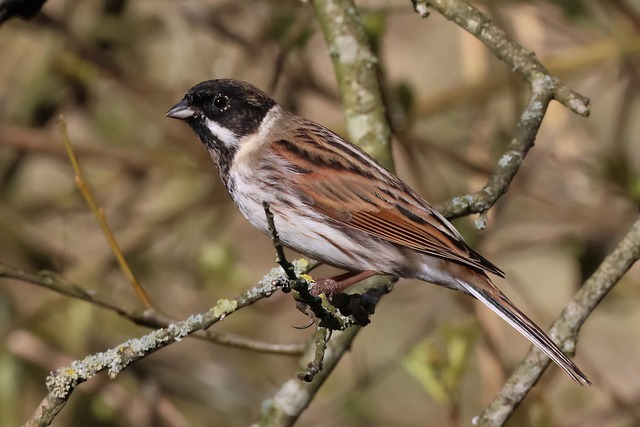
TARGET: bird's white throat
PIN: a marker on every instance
(222, 134)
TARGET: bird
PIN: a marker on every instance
(333, 202)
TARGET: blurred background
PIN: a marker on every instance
(430, 356)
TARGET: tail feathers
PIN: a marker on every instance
(503, 307)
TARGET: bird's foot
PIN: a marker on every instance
(334, 285)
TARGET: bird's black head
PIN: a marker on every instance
(223, 112)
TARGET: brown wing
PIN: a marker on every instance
(339, 180)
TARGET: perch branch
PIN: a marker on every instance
(322, 310)
(149, 318)
(63, 382)
(355, 67)
(353, 309)
(294, 396)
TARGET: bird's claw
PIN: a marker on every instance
(304, 309)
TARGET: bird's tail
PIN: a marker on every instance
(493, 298)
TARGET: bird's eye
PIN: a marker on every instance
(221, 102)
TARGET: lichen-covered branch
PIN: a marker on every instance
(509, 162)
(521, 61)
(564, 330)
(64, 381)
(544, 87)
(355, 66)
(293, 397)
(318, 306)
(331, 316)
(321, 338)
(147, 317)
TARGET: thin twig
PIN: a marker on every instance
(281, 257)
(294, 396)
(98, 212)
(327, 314)
(321, 338)
(544, 88)
(356, 72)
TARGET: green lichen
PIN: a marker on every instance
(224, 307)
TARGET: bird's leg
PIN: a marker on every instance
(337, 284)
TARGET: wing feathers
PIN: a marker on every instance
(356, 198)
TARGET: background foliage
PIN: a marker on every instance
(113, 67)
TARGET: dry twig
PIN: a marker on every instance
(98, 212)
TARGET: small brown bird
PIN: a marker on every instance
(333, 202)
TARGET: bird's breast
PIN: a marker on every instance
(248, 194)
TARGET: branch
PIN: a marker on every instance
(149, 318)
(320, 340)
(65, 380)
(565, 330)
(544, 87)
(355, 66)
(293, 397)
(98, 212)
(520, 60)
(509, 163)
(337, 314)
(356, 71)
(319, 306)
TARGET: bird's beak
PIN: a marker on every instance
(182, 110)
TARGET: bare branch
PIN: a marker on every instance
(520, 60)
(294, 396)
(355, 66)
(352, 310)
(509, 163)
(320, 308)
(321, 338)
(101, 218)
(356, 71)
(564, 330)
(544, 87)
